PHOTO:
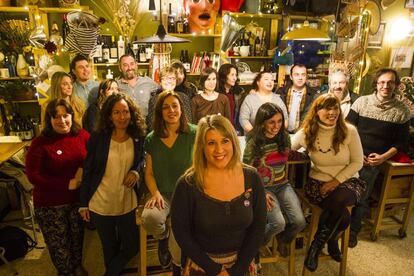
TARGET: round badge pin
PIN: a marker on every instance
(59, 152)
(246, 203)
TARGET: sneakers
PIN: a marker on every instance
(353, 239)
(164, 255)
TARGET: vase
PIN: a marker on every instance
(22, 67)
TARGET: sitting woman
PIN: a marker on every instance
(335, 150)
(267, 149)
(263, 84)
(208, 101)
(218, 212)
(168, 77)
(54, 166)
(106, 89)
(168, 154)
(112, 170)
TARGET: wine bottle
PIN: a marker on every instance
(65, 28)
(105, 50)
(186, 26)
(142, 54)
(121, 46)
(97, 56)
(113, 51)
(257, 46)
(186, 63)
(182, 58)
(171, 21)
(179, 28)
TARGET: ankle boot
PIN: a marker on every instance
(333, 248)
(321, 237)
(164, 255)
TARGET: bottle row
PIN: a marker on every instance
(24, 128)
(249, 44)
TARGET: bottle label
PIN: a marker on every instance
(105, 53)
(121, 50)
(114, 53)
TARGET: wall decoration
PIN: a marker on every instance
(201, 15)
(401, 57)
(375, 40)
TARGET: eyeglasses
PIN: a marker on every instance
(198, 1)
(383, 83)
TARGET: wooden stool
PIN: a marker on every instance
(272, 256)
(397, 189)
(145, 245)
(316, 212)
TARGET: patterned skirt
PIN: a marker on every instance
(227, 260)
(313, 189)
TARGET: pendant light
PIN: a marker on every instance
(306, 32)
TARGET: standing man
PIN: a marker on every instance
(338, 85)
(138, 88)
(84, 86)
(297, 96)
(383, 125)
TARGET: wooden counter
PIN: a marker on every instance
(7, 150)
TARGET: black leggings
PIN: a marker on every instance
(335, 208)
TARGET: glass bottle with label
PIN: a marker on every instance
(113, 51)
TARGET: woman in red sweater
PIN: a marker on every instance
(54, 166)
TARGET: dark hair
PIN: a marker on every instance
(296, 65)
(178, 65)
(223, 72)
(381, 72)
(136, 127)
(158, 122)
(78, 57)
(103, 86)
(126, 55)
(204, 76)
(311, 123)
(50, 113)
(265, 112)
(258, 78)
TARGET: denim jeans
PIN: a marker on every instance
(369, 175)
(286, 205)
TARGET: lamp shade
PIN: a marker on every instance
(306, 33)
(161, 37)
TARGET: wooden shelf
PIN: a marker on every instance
(25, 101)
(16, 78)
(194, 35)
(63, 10)
(249, 57)
(7, 150)
(14, 9)
(255, 15)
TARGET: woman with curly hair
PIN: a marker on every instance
(335, 150)
(112, 170)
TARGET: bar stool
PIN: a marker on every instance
(316, 213)
(397, 189)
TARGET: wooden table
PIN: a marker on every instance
(7, 150)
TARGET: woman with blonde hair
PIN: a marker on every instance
(218, 211)
(335, 150)
(61, 87)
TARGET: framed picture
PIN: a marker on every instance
(409, 4)
(375, 40)
(401, 57)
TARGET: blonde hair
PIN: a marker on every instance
(199, 165)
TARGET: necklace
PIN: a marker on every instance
(318, 146)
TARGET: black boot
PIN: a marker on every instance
(321, 237)
(164, 255)
(333, 248)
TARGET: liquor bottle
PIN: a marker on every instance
(264, 45)
(113, 51)
(179, 26)
(148, 52)
(142, 54)
(135, 48)
(129, 50)
(186, 26)
(171, 21)
(65, 28)
(109, 75)
(182, 58)
(257, 46)
(97, 56)
(121, 46)
(105, 50)
(186, 63)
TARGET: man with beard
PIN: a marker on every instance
(297, 96)
(382, 122)
(138, 88)
(201, 14)
(83, 85)
(338, 86)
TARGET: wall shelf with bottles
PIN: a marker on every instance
(249, 57)
(116, 64)
(26, 101)
(194, 35)
(255, 15)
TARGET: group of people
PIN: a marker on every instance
(210, 205)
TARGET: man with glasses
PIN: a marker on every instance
(137, 87)
(338, 86)
(297, 96)
(383, 125)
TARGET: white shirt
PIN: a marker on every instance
(294, 109)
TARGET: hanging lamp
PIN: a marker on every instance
(306, 32)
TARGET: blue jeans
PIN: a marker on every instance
(369, 175)
(286, 205)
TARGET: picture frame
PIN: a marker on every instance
(409, 4)
(375, 40)
(401, 57)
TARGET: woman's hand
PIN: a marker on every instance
(270, 202)
(131, 179)
(86, 216)
(375, 159)
(329, 186)
(74, 183)
(156, 201)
